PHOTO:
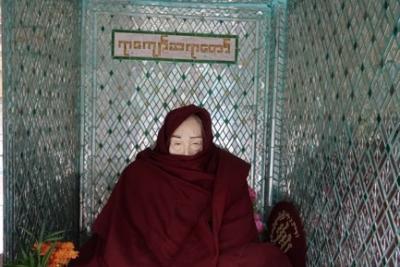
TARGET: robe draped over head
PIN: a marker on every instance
(179, 211)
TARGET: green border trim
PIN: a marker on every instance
(236, 37)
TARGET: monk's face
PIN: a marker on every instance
(187, 139)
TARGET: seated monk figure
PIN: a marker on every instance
(183, 203)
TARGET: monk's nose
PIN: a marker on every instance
(186, 151)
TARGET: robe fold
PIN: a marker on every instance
(180, 211)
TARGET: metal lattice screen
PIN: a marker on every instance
(125, 101)
(342, 129)
(277, 74)
(41, 126)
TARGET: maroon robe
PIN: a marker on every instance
(180, 211)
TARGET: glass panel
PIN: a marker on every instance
(125, 101)
(341, 148)
(41, 127)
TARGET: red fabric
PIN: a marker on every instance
(287, 232)
(178, 211)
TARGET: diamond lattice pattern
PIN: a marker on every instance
(126, 100)
(41, 124)
(342, 122)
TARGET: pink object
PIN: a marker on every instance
(259, 222)
(257, 218)
(253, 194)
